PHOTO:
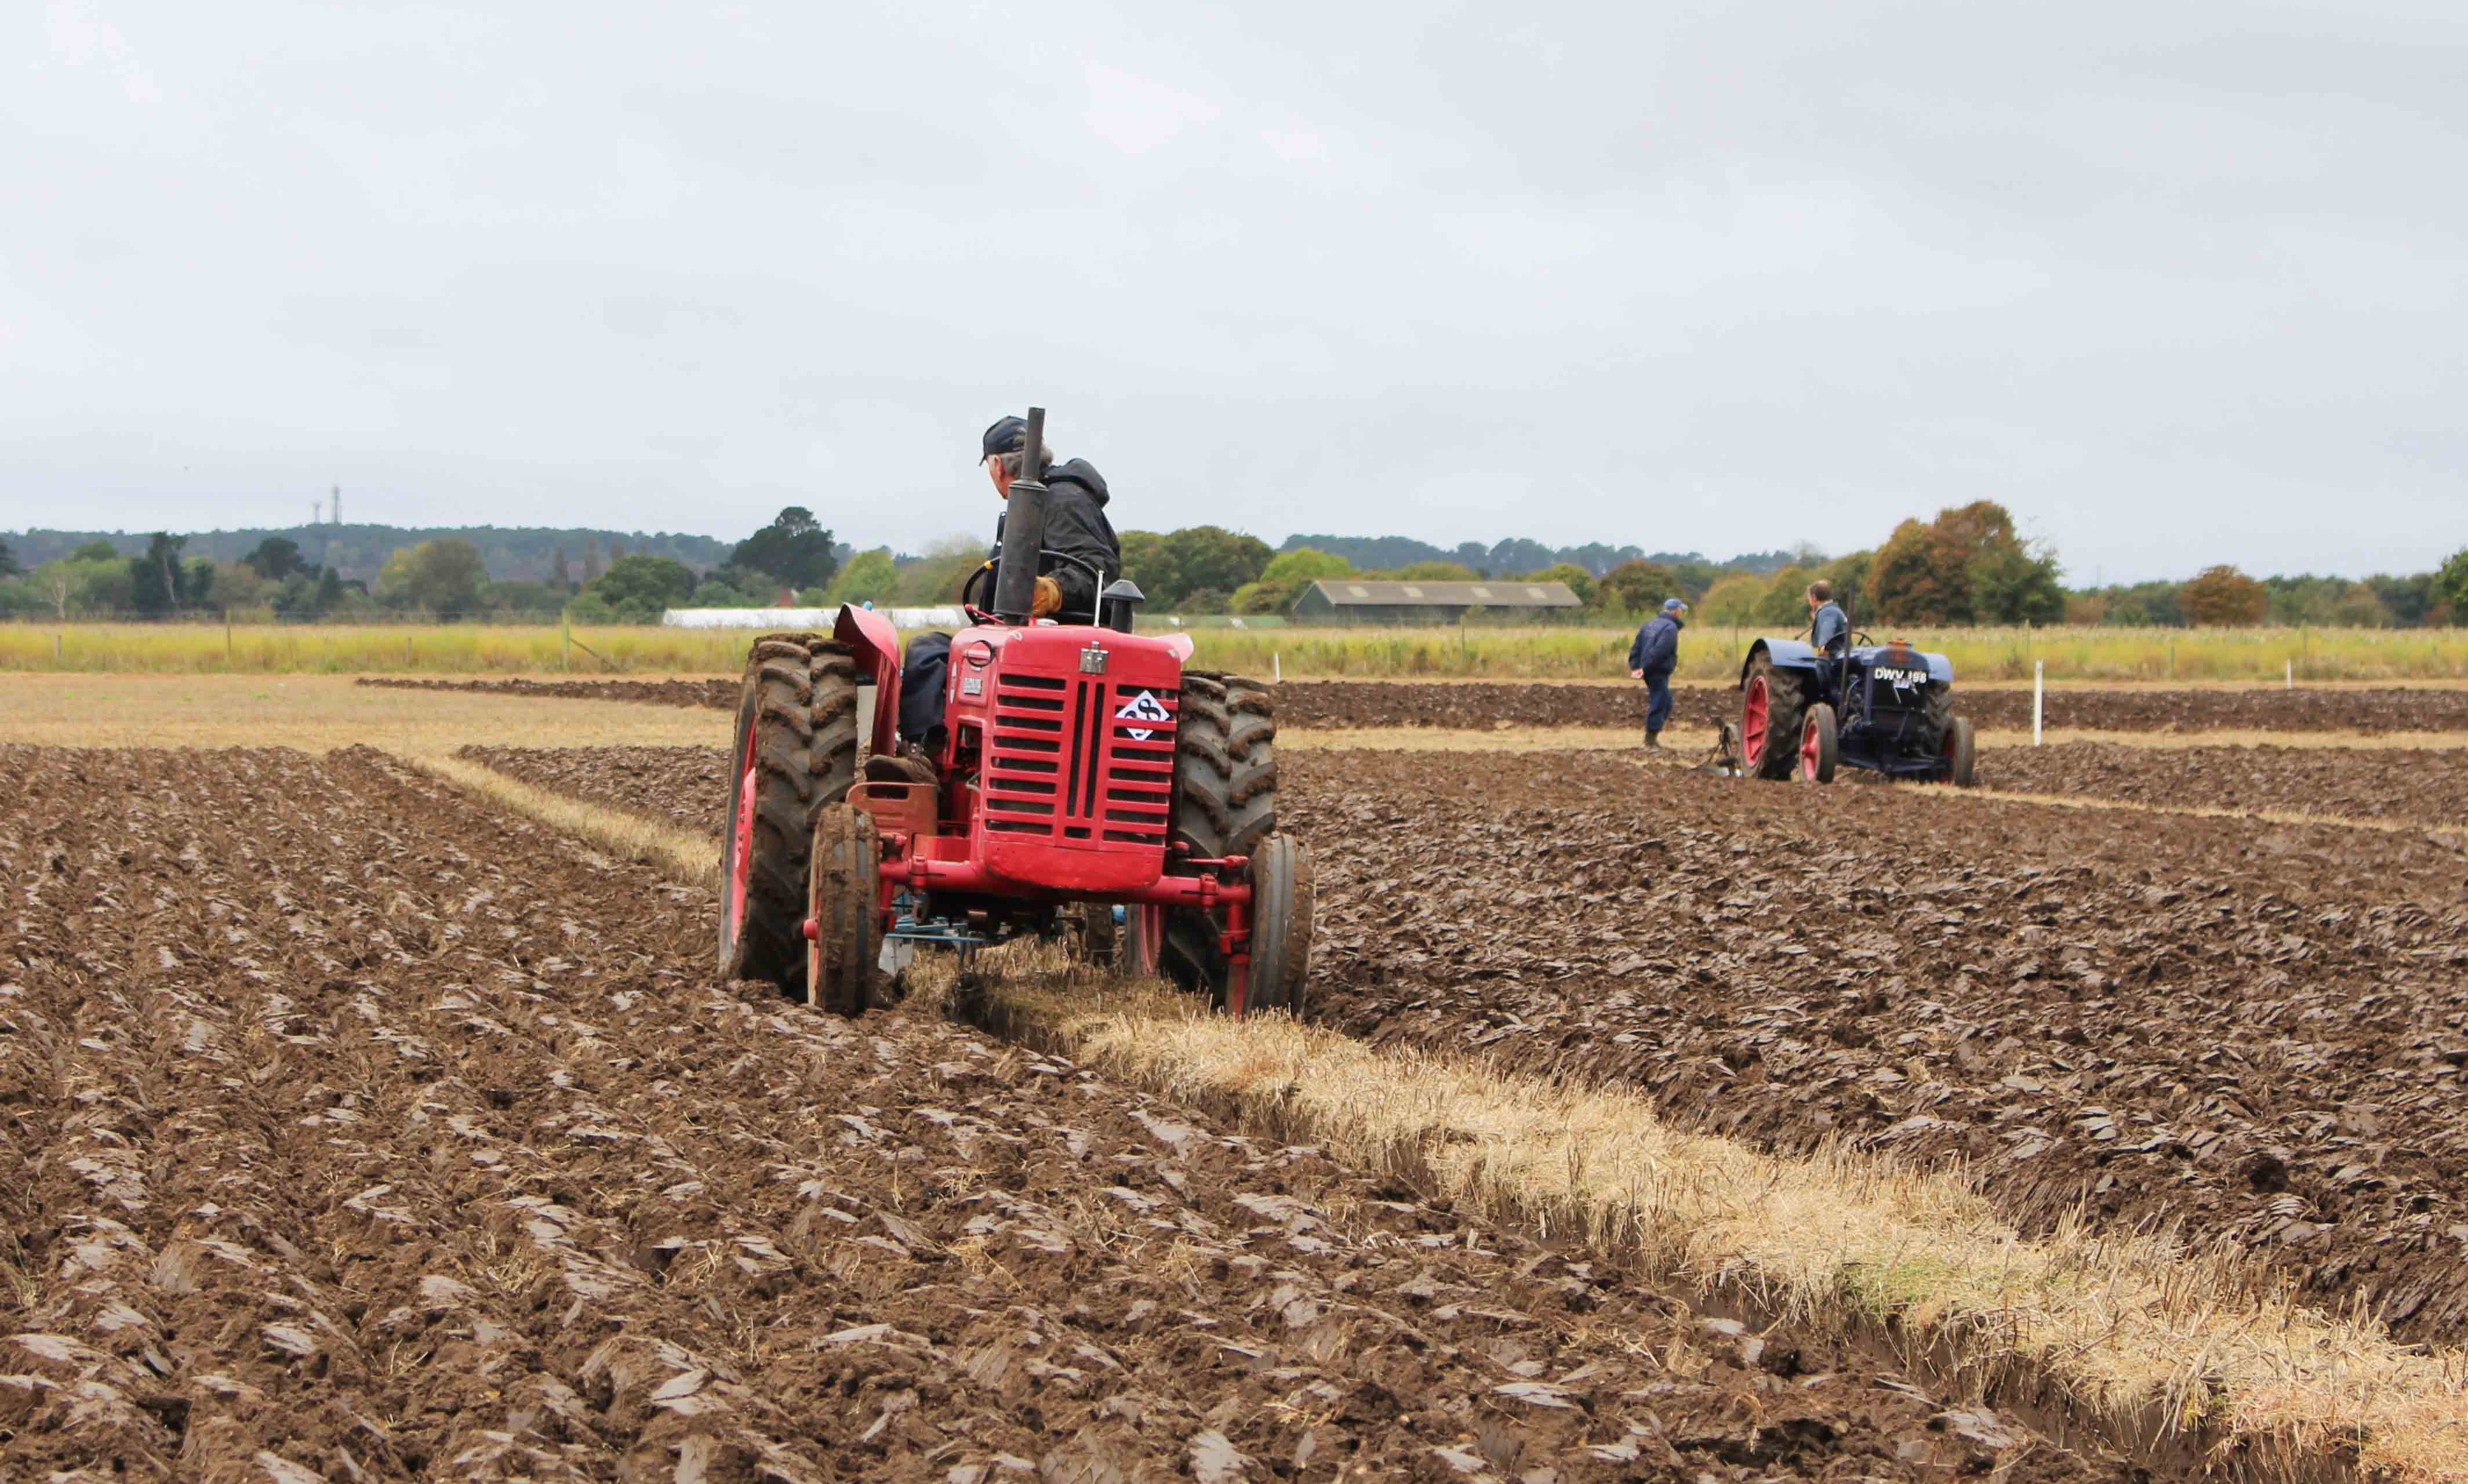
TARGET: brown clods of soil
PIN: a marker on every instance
(2254, 1031)
(2418, 786)
(355, 1130)
(1487, 704)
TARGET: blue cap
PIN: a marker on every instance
(1004, 436)
(1674, 605)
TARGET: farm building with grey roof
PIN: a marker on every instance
(1353, 600)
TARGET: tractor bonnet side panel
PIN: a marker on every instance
(1076, 788)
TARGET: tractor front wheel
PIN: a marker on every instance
(844, 904)
(1281, 926)
(1820, 744)
(1961, 751)
(1770, 720)
(796, 751)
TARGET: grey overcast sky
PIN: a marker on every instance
(2179, 282)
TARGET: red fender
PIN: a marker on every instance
(877, 645)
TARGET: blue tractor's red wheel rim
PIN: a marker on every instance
(740, 858)
(1953, 744)
(1752, 721)
(1812, 748)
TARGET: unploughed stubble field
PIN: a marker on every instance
(2238, 656)
(367, 1109)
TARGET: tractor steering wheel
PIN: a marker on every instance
(969, 586)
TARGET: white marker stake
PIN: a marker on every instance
(1278, 663)
(2038, 690)
(2292, 674)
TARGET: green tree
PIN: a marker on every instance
(1849, 576)
(934, 578)
(638, 589)
(792, 548)
(1303, 565)
(96, 551)
(2223, 594)
(1580, 581)
(444, 576)
(1636, 588)
(1734, 600)
(1783, 606)
(8, 562)
(2451, 586)
(517, 595)
(867, 577)
(276, 557)
(1434, 572)
(159, 582)
(2012, 583)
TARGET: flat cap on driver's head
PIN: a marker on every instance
(1005, 436)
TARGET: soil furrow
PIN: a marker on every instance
(457, 1164)
(1485, 704)
(2255, 1032)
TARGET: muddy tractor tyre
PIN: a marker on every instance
(1281, 926)
(1940, 717)
(1961, 751)
(1224, 803)
(1770, 704)
(845, 899)
(796, 751)
(1820, 745)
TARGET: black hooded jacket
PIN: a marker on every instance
(1075, 526)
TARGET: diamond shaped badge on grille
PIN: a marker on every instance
(1143, 707)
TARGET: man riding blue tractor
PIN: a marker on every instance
(1835, 697)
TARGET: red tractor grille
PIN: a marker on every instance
(1077, 761)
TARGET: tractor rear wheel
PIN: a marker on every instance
(1770, 704)
(1224, 803)
(844, 900)
(1820, 744)
(1281, 926)
(796, 751)
(1961, 751)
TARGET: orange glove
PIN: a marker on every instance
(1049, 599)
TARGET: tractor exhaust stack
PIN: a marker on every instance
(1023, 530)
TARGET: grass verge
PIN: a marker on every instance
(2171, 1354)
(2192, 1358)
(678, 854)
(1595, 650)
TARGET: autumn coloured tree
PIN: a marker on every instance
(2223, 594)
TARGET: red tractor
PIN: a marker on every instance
(1084, 769)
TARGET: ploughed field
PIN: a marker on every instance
(1322, 704)
(351, 1128)
(2255, 1032)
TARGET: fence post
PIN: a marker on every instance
(2039, 694)
(565, 640)
(2292, 674)
(227, 640)
(56, 651)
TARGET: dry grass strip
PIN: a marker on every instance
(678, 854)
(2158, 1348)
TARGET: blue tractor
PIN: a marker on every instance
(1884, 707)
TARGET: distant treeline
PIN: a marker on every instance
(525, 553)
(1518, 555)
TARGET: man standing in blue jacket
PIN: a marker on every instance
(1652, 658)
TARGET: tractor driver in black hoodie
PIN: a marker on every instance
(1076, 531)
